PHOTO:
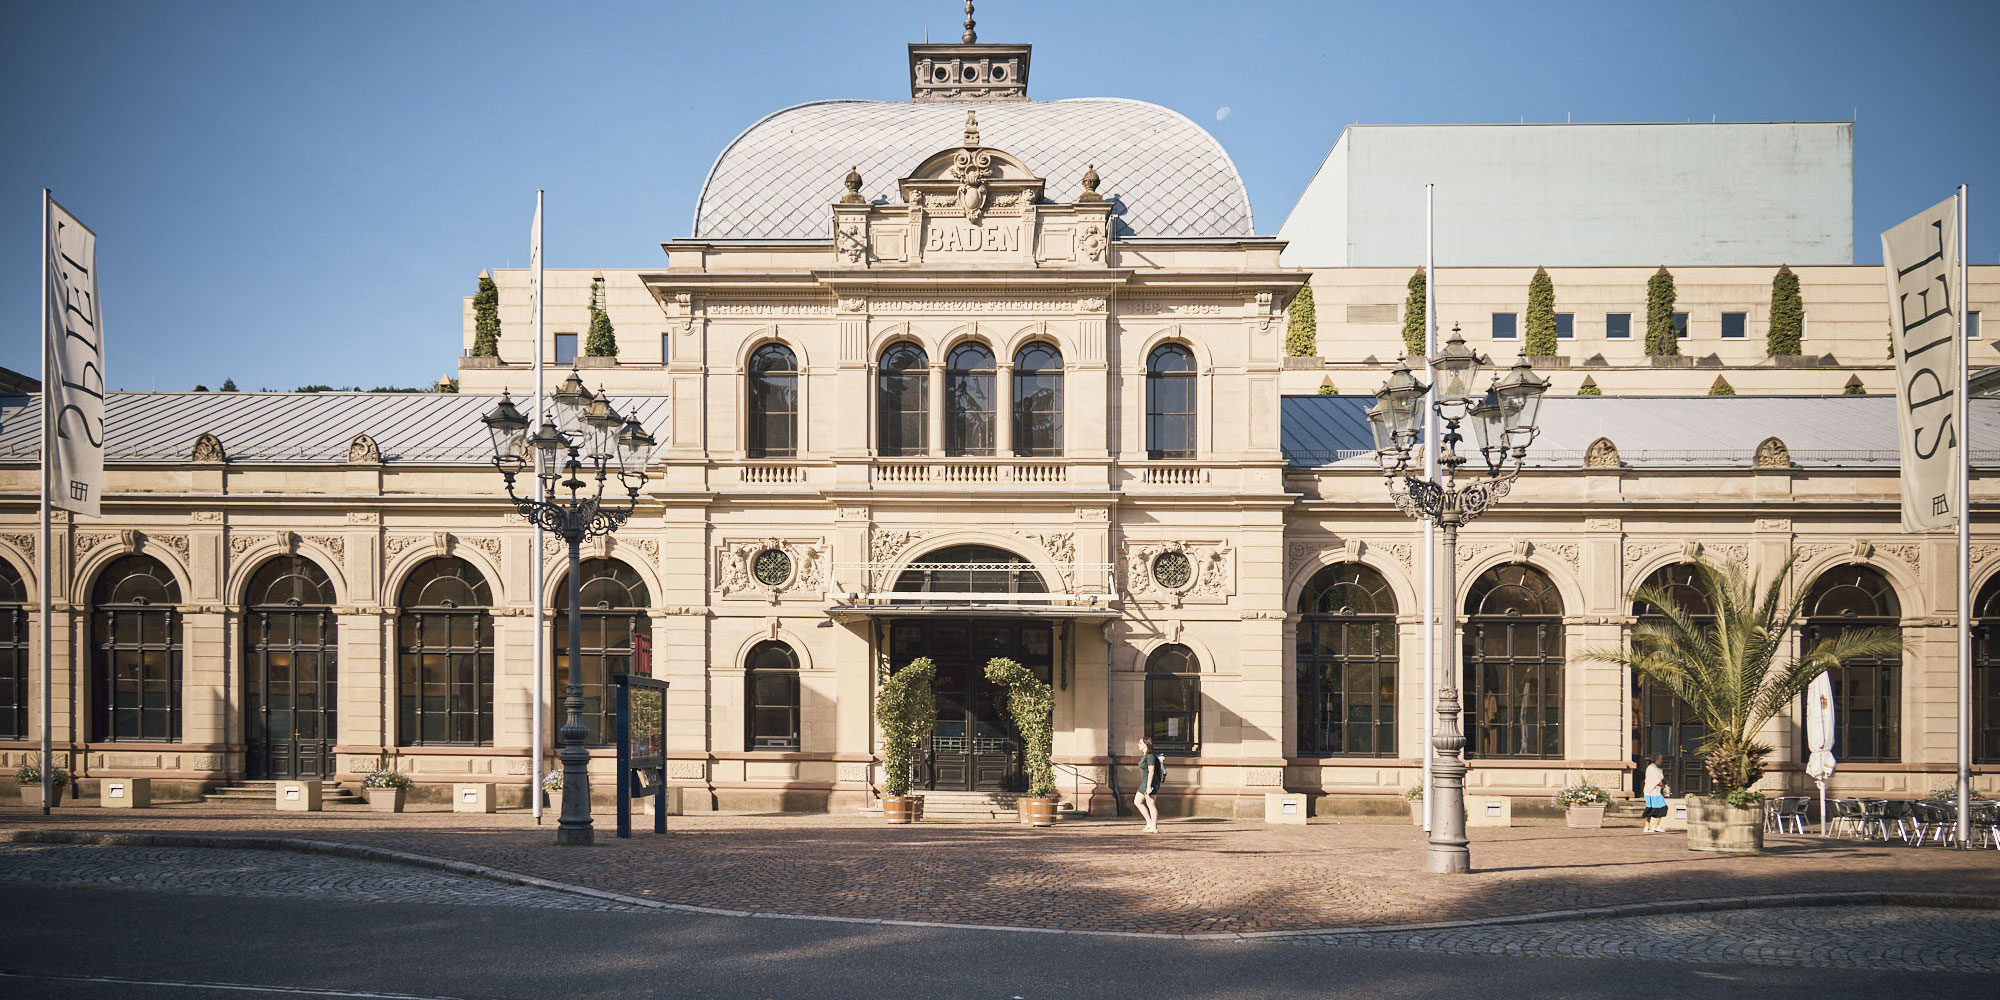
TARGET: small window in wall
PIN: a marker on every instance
(1173, 698)
(1972, 324)
(1505, 325)
(666, 348)
(772, 677)
(1618, 326)
(1565, 326)
(1734, 325)
(565, 348)
(1680, 324)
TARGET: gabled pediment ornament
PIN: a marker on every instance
(363, 451)
(972, 180)
(207, 448)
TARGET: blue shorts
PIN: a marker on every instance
(1656, 802)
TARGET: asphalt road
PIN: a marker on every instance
(90, 943)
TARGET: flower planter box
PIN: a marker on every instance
(1417, 813)
(899, 810)
(31, 795)
(386, 800)
(1715, 825)
(1039, 812)
(1584, 817)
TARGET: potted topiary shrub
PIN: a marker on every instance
(1731, 668)
(1583, 804)
(1032, 705)
(906, 711)
(386, 787)
(1415, 795)
(29, 777)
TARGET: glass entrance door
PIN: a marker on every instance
(1663, 724)
(974, 746)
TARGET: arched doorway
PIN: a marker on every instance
(1513, 648)
(617, 639)
(974, 746)
(290, 671)
(1661, 722)
(1867, 692)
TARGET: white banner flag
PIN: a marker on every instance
(1920, 259)
(73, 365)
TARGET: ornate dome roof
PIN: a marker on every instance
(1166, 175)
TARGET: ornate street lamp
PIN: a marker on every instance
(584, 435)
(1503, 425)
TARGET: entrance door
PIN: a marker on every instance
(974, 746)
(1663, 724)
(290, 672)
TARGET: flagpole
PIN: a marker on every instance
(1964, 537)
(47, 608)
(541, 648)
(1430, 527)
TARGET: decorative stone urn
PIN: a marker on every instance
(1715, 825)
(1585, 817)
(386, 800)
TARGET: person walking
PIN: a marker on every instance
(1152, 774)
(1655, 787)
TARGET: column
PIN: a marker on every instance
(935, 427)
(1003, 409)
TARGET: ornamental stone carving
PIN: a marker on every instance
(395, 544)
(1567, 553)
(1176, 570)
(205, 516)
(24, 543)
(363, 517)
(1061, 545)
(1601, 454)
(770, 567)
(485, 543)
(178, 543)
(207, 448)
(1908, 552)
(887, 544)
(1090, 243)
(363, 451)
(851, 243)
(1772, 454)
(88, 541)
(331, 543)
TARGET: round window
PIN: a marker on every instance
(1172, 570)
(773, 568)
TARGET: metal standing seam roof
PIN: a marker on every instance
(1166, 175)
(1659, 431)
(273, 428)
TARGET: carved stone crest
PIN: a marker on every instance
(1090, 243)
(1772, 454)
(1177, 570)
(207, 448)
(1601, 454)
(851, 242)
(769, 567)
(363, 451)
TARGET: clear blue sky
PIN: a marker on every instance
(291, 193)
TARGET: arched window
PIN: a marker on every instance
(1347, 663)
(290, 671)
(1867, 693)
(617, 639)
(774, 403)
(968, 401)
(1038, 400)
(1661, 722)
(1173, 698)
(903, 395)
(1986, 674)
(1170, 410)
(13, 654)
(1513, 648)
(971, 569)
(771, 680)
(444, 661)
(135, 652)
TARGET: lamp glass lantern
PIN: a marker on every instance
(1399, 398)
(509, 431)
(1455, 368)
(635, 447)
(1520, 394)
(572, 401)
(1488, 428)
(548, 444)
(601, 424)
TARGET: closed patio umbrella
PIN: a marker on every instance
(1819, 738)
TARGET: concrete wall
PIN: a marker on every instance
(1679, 194)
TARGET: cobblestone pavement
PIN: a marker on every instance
(1925, 939)
(274, 874)
(1193, 877)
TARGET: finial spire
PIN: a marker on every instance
(970, 37)
(971, 127)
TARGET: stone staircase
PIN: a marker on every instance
(974, 807)
(265, 793)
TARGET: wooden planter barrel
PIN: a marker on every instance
(900, 809)
(1715, 825)
(1039, 812)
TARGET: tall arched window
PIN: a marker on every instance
(903, 396)
(1173, 698)
(1038, 400)
(13, 654)
(444, 661)
(1661, 722)
(1867, 693)
(1986, 674)
(1347, 663)
(135, 652)
(290, 671)
(771, 684)
(1513, 648)
(971, 569)
(968, 400)
(1170, 409)
(774, 403)
(617, 639)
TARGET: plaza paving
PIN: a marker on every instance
(1195, 877)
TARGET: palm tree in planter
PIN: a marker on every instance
(1735, 672)
(1033, 707)
(906, 710)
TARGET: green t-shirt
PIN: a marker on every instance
(1152, 773)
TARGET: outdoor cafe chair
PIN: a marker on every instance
(1845, 816)
(1874, 817)
(1901, 812)
(1790, 808)
(1928, 818)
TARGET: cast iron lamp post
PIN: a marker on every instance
(585, 435)
(1503, 425)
